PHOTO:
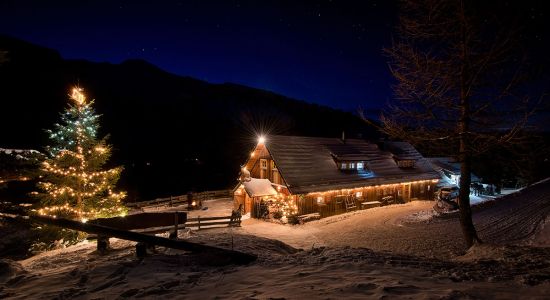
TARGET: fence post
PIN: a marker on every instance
(102, 244)
(175, 235)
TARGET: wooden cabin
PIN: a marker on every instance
(294, 175)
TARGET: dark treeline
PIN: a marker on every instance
(172, 134)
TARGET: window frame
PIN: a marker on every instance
(263, 168)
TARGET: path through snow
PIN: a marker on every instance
(413, 254)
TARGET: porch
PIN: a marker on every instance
(279, 203)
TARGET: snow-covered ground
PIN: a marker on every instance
(398, 251)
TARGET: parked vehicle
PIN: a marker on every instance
(448, 193)
(446, 199)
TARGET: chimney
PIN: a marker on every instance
(343, 137)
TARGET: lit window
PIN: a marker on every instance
(275, 177)
(320, 200)
(273, 166)
(263, 168)
(352, 166)
(405, 163)
(359, 194)
(344, 166)
(360, 166)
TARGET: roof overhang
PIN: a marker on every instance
(259, 187)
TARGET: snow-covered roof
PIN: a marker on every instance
(259, 187)
(307, 164)
(448, 165)
(19, 154)
(18, 151)
(445, 163)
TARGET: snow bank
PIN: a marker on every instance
(18, 151)
(398, 251)
(9, 269)
(281, 272)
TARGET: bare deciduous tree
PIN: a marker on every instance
(457, 69)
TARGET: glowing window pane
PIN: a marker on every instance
(320, 200)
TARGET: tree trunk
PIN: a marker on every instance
(468, 229)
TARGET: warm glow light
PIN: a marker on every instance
(251, 154)
(100, 149)
(78, 96)
(261, 139)
(84, 220)
(391, 185)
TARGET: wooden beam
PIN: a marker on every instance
(235, 256)
(208, 218)
(142, 220)
(205, 224)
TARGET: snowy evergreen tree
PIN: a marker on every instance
(74, 181)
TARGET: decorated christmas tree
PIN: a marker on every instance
(75, 182)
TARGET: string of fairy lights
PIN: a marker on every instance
(74, 186)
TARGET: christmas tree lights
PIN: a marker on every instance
(285, 205)
(74, 182)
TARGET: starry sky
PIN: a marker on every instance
(325, 52)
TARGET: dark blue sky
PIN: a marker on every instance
(327, 52)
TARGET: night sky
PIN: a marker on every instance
(326, 52)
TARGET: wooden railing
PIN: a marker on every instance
(178, 200)
(142, 239)
(198, 222)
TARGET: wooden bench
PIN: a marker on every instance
(308, 217)
(370, 204)
(349, 201)
(387, 200)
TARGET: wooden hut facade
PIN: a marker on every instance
(309, 175)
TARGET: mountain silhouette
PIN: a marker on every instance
(171, 133)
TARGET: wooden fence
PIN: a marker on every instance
(207, 222)
(179, 200)
(142, 239)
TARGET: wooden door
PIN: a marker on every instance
(247, 204)
(407, 192)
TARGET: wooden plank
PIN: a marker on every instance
(142, 220)
(204, 224)
(208, 219)
(155, 229)
(235, 256)
(183, 198)
(370, 204)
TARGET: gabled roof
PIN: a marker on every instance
(255, 187)
(402, 150)
(307, 164)
(448, 165)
